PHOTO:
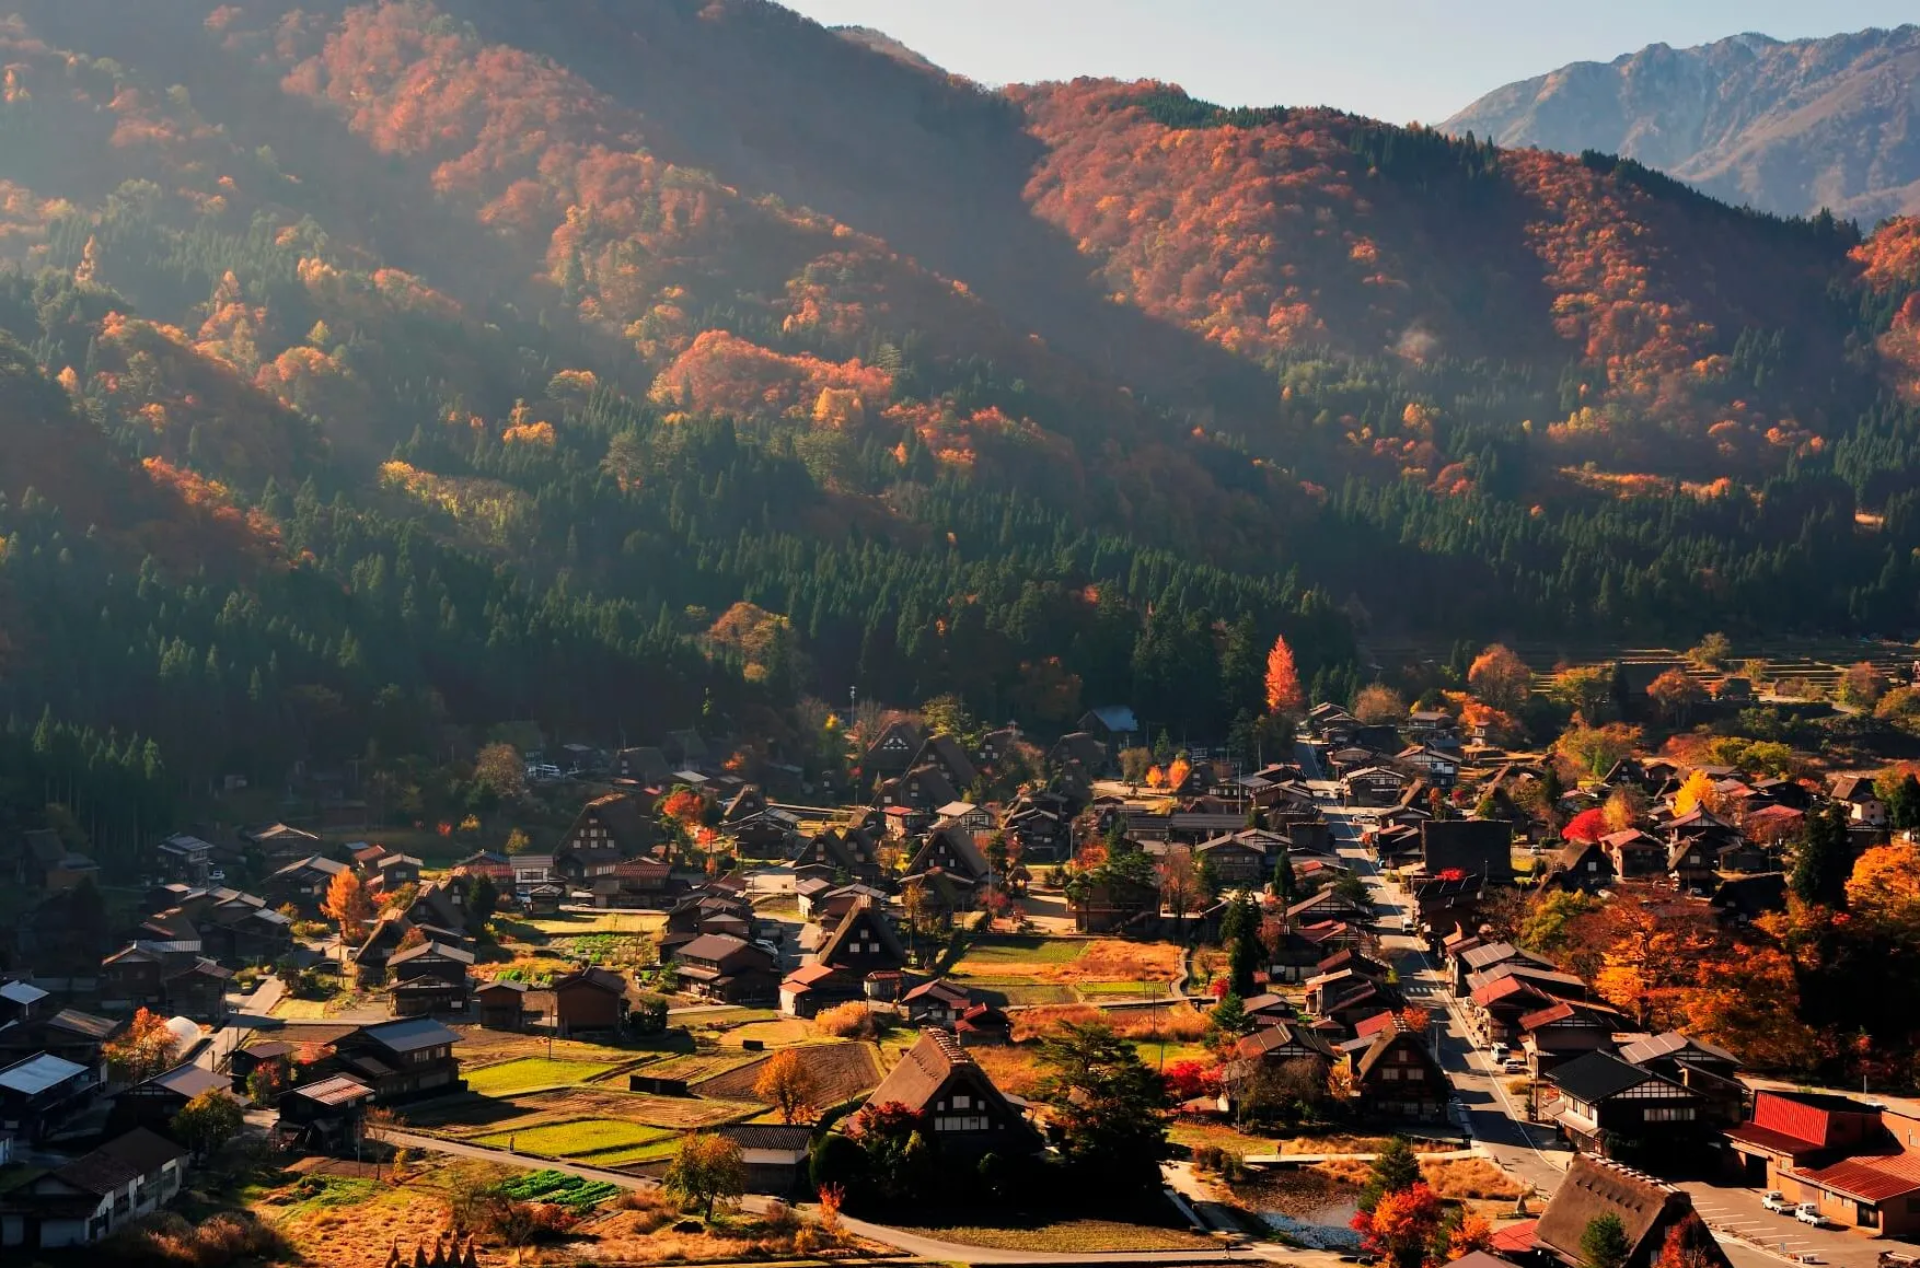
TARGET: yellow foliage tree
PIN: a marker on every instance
(1696, 793)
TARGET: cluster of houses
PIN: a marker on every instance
(103, 1148)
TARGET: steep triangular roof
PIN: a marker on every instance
(863, 916)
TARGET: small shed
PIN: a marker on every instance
(503, 1005)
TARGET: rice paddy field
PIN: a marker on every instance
(526, 1074)
(628, 922)
(468, 1116)
(600, 1142)
(1039, 971)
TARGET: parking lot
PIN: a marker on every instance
(1737, 1213)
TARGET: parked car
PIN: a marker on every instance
(1499, 1051)
(1513, 1065)
(1776, 1201)
(217, 874)
(1809, 1213)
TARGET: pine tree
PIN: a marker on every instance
(1824, 860)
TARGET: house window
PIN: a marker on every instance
(1390, 1073)
(961, 1102)
(1667, 1114)
(961, 1123)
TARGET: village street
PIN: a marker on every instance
(1497, 1121)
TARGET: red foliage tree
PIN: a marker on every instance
(1588, 825)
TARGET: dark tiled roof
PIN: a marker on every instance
(769, 1136)
(1596, 1076)
(410, 1035)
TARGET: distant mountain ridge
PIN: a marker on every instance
(1788, 127)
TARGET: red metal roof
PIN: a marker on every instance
(1868, 1179)
(1775, 1141)
(1514, 1238)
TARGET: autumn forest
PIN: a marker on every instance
(376, 368)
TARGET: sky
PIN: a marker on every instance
(1399, 60)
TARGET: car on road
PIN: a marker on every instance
(1513, 1065)
(1776, 1201)
(1809, 1213)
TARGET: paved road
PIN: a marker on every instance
(1495, 1120)
(1751, 1236)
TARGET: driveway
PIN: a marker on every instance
(1764, 1236)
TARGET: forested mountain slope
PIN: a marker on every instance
(620, 366)
(1789, 127)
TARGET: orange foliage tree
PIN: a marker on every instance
(1500, 678)
(347, 904)
(144, 1049)
(1284, 694)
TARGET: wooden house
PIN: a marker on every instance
(303, 884)
(1566, 1030)
(40, 1093)
(947, 755)
(1267, 1049)
(609, 830)
(1646, 1208)
(641, 882)
(922, 789)
(503, 1005)
(967, 1115)
(936, 1003)
(892, 751)
(951, 849)
(1580, 866)
(402, 1060)
(1396, 1076)
(591, 1001)
(1602, 1101)
(1694, 865)
(1635, 855)
(728, 969)
(1238, 863)
(326, 1116)
(89, 1199)
(1472, 847)
(154, 1102)
(1373, 785)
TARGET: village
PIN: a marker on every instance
(1405, 989)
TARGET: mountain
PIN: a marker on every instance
(426, 367)
(1789, 127)
(881, 42)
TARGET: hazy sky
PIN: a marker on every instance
(1400, 60)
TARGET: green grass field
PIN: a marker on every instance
(586, 1136)
(989, 952)
(528, 1073)
(1124, 990)
(1150, 1052)
(1024, 990)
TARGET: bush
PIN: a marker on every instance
(850, 1020)
(167, 1239)
(1220, 1161)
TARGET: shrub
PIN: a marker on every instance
(223, 1239)
(850, 1020)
